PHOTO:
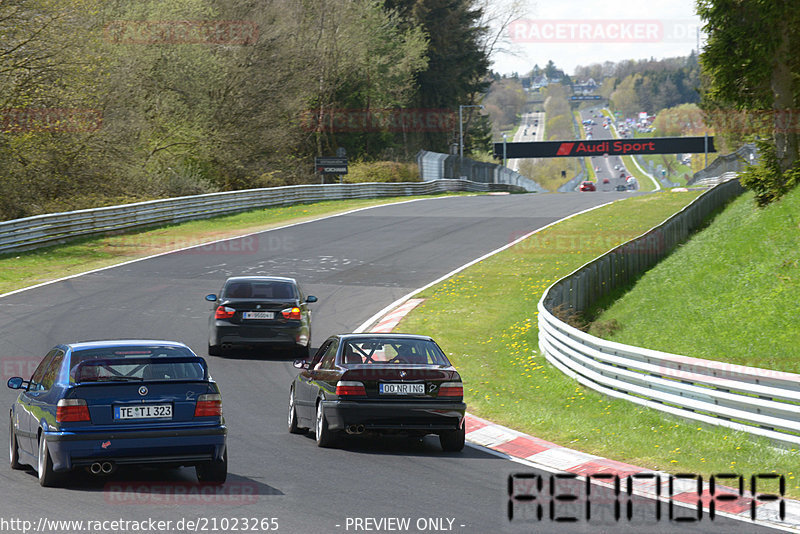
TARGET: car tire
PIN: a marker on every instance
(213, 472)
(324, 436)
(294, 428)
(13, 448)
(47, 477)
(452, 441)
(214, 350)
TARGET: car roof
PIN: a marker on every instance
(383, 335)
(260, 279)
(111, 343)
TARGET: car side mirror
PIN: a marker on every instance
(16, 382)
(211, 298)
(311, 298)
(301, 364)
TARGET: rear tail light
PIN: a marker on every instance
(344, 387)
(208, 405)
(291, 313)
(71, 410)
(224, 312)
(451, 389)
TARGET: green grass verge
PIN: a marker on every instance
(729, 294)
(645, 182)
(485, 318)
(590, 175)
(23, 269)
(678, 170)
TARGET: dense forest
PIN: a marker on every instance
(117, 100)
(646, 85)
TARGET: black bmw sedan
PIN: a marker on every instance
(378, 383)
(260, 311)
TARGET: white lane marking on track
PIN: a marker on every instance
(372, 320)
(219, 241)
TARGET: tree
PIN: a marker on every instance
(458, 62)
(750, 64)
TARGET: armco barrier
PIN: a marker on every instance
(42, 230)
(757, 401)
(436, 166)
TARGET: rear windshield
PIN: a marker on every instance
(413, 351)
(259, 290)
(133, 364)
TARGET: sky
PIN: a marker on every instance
(582, 32)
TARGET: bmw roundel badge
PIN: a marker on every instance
(142, 390)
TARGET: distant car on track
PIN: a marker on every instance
(260, 311)
(621, 187)
(378, 383)
(606, 181)
(588, 186)
(101, 404)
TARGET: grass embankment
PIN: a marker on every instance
(645, 181)
(679, 171)
(729, 294)
(590, 175)
(486, 319)
(23, 269)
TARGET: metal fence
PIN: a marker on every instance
(436, 166)
(42, 230)
(757, 401)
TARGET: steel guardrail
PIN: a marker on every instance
(43, 230)
(757, 401)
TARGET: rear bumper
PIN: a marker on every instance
(395, 416)
(279, 335)
(185, 446)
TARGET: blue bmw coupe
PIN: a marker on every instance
(101, 404)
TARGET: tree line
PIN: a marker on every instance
(119, 100)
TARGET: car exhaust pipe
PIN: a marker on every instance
(96, 468)
(227, 346)
(107, 467)
(355, 429)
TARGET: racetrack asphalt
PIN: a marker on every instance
(356, 264)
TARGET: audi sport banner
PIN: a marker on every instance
(601, 147)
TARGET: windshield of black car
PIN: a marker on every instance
(250, 289)
(124, 364)
(392, 351)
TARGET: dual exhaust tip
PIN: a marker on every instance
(104, 468)
(355, 429)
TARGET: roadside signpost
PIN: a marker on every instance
(330, 165)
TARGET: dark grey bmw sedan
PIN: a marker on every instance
(260, 311)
